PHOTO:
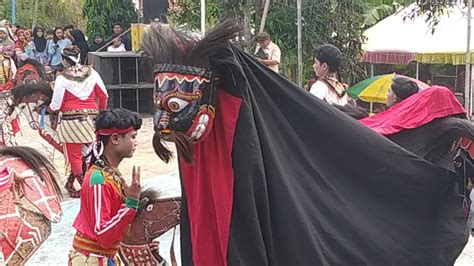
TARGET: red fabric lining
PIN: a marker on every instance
(209, 186)
(415, 111)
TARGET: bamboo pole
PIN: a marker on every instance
(417, 70)
(264, 16)
(467, 89)
(300, 43)
(35, 14)
(13, 12)
(203, 16)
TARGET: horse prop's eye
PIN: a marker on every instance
(176, 104)
(149, 208)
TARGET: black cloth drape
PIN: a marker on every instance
(313, 186)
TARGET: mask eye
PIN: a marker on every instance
(176, 104)
(149, 208)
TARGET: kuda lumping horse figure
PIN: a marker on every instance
(31, 100)
(31, 90)
(271, 175)
(30, 200)
(155, 217)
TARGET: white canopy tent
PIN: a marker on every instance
(405, 37)
(400, 39)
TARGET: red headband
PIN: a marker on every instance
(110, 131)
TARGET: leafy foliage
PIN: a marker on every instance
(188, 13)
(340, 22)
(100, 15)
(51, 13)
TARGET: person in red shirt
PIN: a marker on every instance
(79, 93)
(108, 204)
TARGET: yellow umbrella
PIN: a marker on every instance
(375, 89)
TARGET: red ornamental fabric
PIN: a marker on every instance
(209, 186)
(415, 111)
(16, 126)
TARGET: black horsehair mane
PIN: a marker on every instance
(26, 90)
(38, 163)
(169, 45)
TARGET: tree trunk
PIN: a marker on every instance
(35, 14)
(247, 25)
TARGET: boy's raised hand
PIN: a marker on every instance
(132, 191)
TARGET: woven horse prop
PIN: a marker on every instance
(31, 99)
(28, 205)
(155, 217)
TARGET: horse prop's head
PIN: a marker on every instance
(27, 99)
(185, 87)
(154, 218)
(30, 72)
(40, 186)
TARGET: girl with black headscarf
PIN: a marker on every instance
(38, 47)
(79, 40)
(97, 42)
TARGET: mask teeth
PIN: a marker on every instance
(164, 120)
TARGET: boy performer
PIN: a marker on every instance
(108, 204)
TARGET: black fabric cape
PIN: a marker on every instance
(434, 141)
(312, 186)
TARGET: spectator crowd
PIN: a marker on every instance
(45, 45)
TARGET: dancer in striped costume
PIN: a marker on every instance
(7, 73)
(108, 204)
(79, 93)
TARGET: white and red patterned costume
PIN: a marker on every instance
(70, 95)
(79, 93)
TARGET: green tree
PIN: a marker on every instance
(339, 22)
(100, 15)
(51, 13)
(188, 13)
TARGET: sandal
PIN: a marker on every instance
(73, 193)
(80, 178)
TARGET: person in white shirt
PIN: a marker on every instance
(327, 59)
(117, 46)
(267, 52)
